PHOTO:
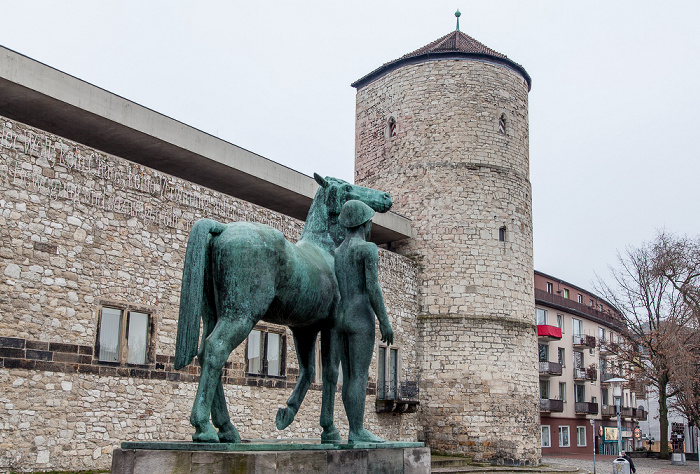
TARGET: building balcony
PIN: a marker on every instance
(551, 406)
(638, 414)
(550, 299)
(608, 348)
(550, 368)
(605, 376)
(589, 373)
(584, 340)
(401, 399)
(548, 333)
(586, 408)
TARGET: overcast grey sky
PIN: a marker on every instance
(614, 105)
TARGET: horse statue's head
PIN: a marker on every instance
(329, 200)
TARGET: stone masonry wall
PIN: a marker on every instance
(80, 229)
(461, 179)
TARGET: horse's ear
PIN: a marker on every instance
(320, 180)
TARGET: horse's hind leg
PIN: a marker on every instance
(220, 417)
(305, 343)
(228, 333)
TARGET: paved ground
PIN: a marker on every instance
(604, 464)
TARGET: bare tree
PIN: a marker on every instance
(656, 310)
(678, 260)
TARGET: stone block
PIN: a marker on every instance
(348, 461)
(416, 460)
(302, 462)
(385, 461)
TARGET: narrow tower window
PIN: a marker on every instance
(502, 124)
(502, 234)
(392, 127)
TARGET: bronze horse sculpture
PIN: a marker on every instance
(238, 274)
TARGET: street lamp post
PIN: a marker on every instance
(617, 396)
(593, 439)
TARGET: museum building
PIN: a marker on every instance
(98, 194)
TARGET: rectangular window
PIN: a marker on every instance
(580, 436)
(604, 396)
(579, 393)
(381, 373)
(577, 327)
(562, 391)
(123, 335)
(561, 356)
(564, 437)
(393, 371)
(550, 287)
(387, 372)
(578, 360)
(273, 353)
(544, 389)
(265, 353)
(137, 337)
(543, 350)
(566, 293)
(545, 439)
(560, 322)
(110, 334)
(541, 316)
(255, 352)
(580, 298)
(601, 334)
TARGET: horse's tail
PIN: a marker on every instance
(194, 294)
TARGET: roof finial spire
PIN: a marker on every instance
(457, 14)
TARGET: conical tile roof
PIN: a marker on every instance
(454, 45)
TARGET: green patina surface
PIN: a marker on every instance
(238, 274)
(261, 446)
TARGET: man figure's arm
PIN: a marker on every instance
(371, 258)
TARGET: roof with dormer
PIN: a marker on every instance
(454, 45)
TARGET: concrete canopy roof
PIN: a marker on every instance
(43, 97)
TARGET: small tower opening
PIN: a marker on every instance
(391, 127)
(502, 124)
(502, 234)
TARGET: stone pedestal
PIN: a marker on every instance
(678, 459)
(198, 458)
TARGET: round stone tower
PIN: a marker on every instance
(444, 130)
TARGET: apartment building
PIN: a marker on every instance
(576, 331)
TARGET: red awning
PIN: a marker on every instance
(545, 330)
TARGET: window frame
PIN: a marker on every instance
(562, 391)
(545, 314)
(124, 333)
(265, 332)
(385, 363)
(578, 437)
(549, 436)
(567, 444)
(561, 356)
(550, 287)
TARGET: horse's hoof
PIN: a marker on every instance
(331, 435)
(208, 435)
(284, 417)
(229, 434)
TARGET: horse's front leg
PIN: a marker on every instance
(330, 356)
(228, 333)
(305, 344)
